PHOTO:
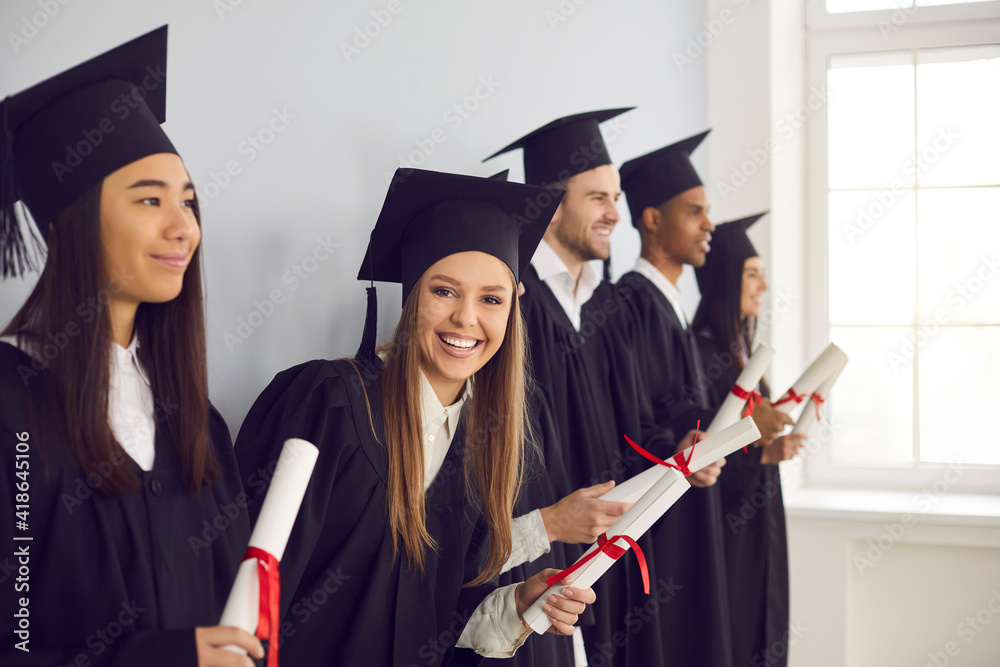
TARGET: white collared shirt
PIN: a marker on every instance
(494, 630)
(130, 401)
(670, 290)
(570, 294)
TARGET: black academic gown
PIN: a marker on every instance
(116, 580)
(592, 379)
(345, 600)
(689, 538)
(756, 550)
(544, 483)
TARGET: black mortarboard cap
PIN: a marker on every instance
(731, 247)
(565, 147)
(64, 135)
(429, 215)
(655, 178)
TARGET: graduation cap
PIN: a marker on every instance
(62, 136)
(731, 247)
(565, 147)
(655, 178)
(428, 215)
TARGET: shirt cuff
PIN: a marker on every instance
(529, 539)
(495, 630)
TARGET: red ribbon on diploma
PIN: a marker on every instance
(680, 463)
(606, 545)
(818, 401)
(792, 396)
(751, 397)
(268, 616)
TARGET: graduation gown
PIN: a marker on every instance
(116, 580)
(591, 377)
(544, 483)
(689, 538)
(756, 549)
(345, 600)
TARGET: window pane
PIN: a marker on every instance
(871, 119)
(872, 246)
(959, 368)
(872, 402)
(958, 102)
(959, 255)
(841, 6)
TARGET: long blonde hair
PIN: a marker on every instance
(495, 431)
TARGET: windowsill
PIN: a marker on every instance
(948, 509)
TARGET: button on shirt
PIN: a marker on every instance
(570, 294)
(669, 289)
(494, 630)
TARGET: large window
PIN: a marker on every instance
(908, 183)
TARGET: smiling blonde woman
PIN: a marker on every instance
(407, 521)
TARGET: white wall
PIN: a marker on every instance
(349, 120)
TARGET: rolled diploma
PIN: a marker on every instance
(663, 492)
(636, 521)
(826, 364)
(729, 412)
(808, 416)
(705, 453)
(271, 533)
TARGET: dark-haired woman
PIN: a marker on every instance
(120, 503)
(406, 522)
(732, 282)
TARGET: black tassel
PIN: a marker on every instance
(17, 254)
(366, 351)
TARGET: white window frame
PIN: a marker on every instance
(835, 34)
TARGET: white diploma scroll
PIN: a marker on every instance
(732, 407)
(270, 534)
(826, 365)
(811, 413)
(705, 452)
(662, 493)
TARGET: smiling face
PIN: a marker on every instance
(588, 213)
(683, 231)
(754, 286)
(462, 312)
(148, 229)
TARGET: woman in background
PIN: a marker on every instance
(732, 283)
